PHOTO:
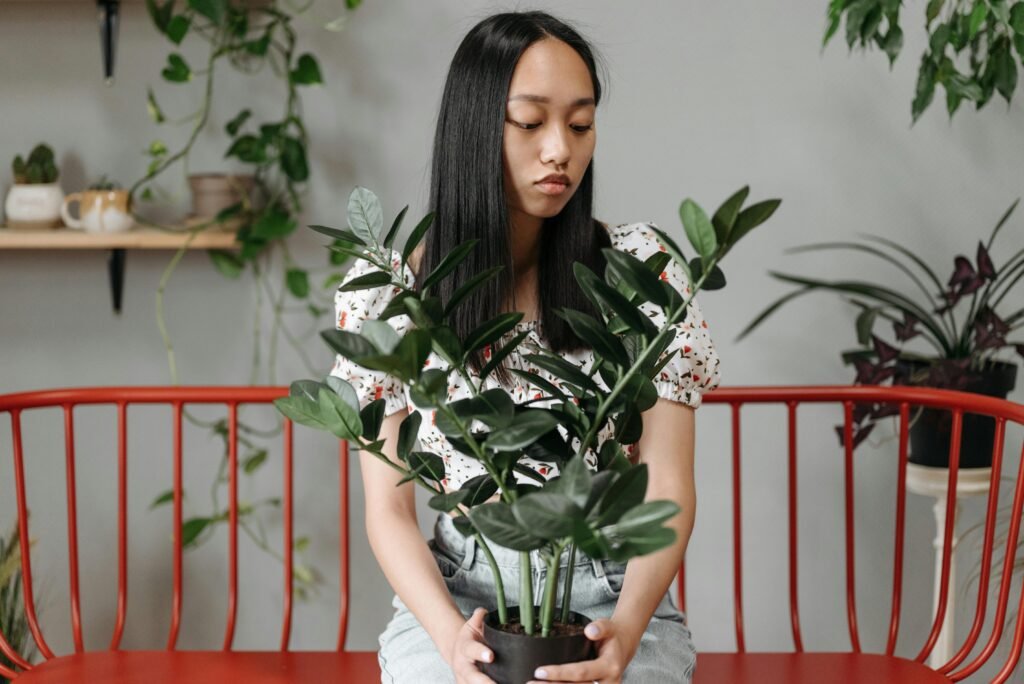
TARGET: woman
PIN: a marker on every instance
(513, 167)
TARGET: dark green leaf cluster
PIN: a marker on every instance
(990, 32)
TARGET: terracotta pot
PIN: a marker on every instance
(516, 656)
(33, 206)
(213, 192)
(930, 433)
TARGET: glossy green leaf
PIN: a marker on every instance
(365, 215)
(307, 71)
(214, 10)
(699, 230)
(293, 159)
(298, 282)
(228, 263)
(549, 515)
(526, 427)
(725, 216)
(497, 522)
(635, 274)
(253, 461)
(177, 28)
(177, 70)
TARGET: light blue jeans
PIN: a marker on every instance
(407, 654)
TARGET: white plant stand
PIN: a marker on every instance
(930, 481)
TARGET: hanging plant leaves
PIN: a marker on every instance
(214, 10)
(177, 70)
(307, 71)
(153, 108)
(293, 159)
(177, 28)
(298, 282)
(236, 123)
(228, 263)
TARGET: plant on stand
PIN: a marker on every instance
(963, 354)
(602, 513)
(252, 36)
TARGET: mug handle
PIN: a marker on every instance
(65, 214)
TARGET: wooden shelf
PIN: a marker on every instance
(137, 238)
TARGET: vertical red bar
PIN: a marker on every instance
(25, 550)
(286, 628)
(851, 584)
(229, 633)
(176, 601)
(1009, 558)
(737, 530)
(986, 554)
(69, 467)
(343, 544)
(794, 594)
(901, 515)
(122, 523)
(947, 535)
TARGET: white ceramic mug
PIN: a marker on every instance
(99, 211)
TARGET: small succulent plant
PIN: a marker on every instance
(40, 167)
(104, 184)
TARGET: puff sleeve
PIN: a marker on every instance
(351, 309)
(694, 369)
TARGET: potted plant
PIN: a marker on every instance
(602, 513)
(35, 199)
(260, 202)
(13, 623)
(963, 355)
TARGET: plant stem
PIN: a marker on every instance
(526, 592)
(567, 589)
(547, 606)
(499, 585)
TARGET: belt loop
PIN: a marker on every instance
(598, 568)
(470, 548)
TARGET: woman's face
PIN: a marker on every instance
(549, 129)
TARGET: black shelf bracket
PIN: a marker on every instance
(115, 268)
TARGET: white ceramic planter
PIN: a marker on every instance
(33, 206)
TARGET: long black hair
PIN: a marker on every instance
(467, 193)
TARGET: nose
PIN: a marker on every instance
(555, 146)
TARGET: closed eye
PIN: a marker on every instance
(531, 126)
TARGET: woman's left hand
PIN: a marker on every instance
(614, 651)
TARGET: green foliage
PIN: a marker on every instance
(39, 168)
(604, 513)
(13, 622)
(988, 33)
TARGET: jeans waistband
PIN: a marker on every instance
(451, 540)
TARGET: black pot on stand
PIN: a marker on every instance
(931, 429)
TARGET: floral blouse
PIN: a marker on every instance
(693, 370)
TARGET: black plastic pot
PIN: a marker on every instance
(930, 432)
(516, 656)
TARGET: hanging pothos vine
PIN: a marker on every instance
(251, 35)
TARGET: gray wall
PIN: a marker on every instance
(704, 97)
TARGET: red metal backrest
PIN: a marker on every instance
(957, 403)
(232, 397)
(177, 398)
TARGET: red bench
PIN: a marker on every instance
(283, 665)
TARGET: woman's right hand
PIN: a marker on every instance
(469, 649)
